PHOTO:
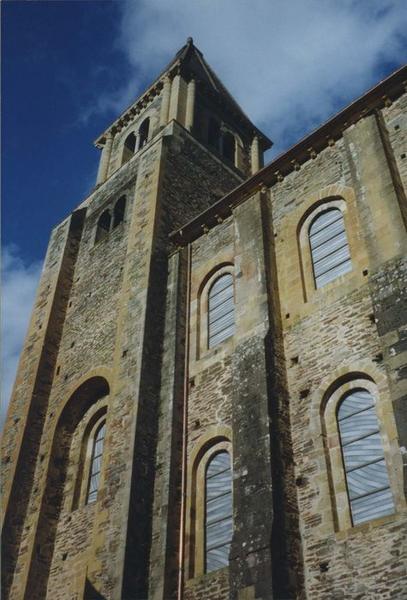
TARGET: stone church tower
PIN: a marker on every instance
(211, 398)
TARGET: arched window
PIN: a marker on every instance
(228, 146)
(221, 310)
(129, 147)
(214, 134)
(329, 247)
(143, 132)
(130, 142)
(218, 512)
(103, 226)
(119, 210)
(96, 463)
(367, 479)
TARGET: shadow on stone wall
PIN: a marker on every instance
(90, 592)
(74, 411)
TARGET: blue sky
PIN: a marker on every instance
(56, 57)
(69, 68)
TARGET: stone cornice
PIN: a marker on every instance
(136, 107)
(380, 96)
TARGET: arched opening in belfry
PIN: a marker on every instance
(130, 142)
(129, 147)
(103, 226)
(229, 146)
(118, 211)
(143, 132)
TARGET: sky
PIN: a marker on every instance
(69, 68)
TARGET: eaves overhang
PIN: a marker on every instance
(135, 107)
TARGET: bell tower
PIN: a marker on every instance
(90, 512)
(190, 93)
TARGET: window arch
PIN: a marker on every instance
(229, 146)
(103, 226)
(83, 453)
(96, 462)
(199, 503)
(130, 142)
(143, 132)
(218, 511)
(62, 468)
(119, 210)
(221, 310)
(129, 147)
(364, 463)
(330, 253)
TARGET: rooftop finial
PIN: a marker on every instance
(190, 41)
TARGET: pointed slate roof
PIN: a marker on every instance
(190, 61)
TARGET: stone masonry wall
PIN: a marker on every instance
(340, 563)
(209, 394)
(192, 179)
(165, 530)
(30, 400)
(394, 118)
(238, 387)
(388, 290)
(340, 332)
(89, 335)
(152, 111)
(113, 331)
(91, 284)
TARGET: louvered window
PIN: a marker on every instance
(221, 310)
(329, 247)
(219, 510)
(96, 463)
(365, 467)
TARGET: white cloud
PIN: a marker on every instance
(114, 102)
(19, 283)
(290, 63)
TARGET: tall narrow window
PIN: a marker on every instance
(221, 310)
(367, 479)
(218, 512)
(143, 132)
(119, 209)
(130, 142)
(103, 226)
(129, 147)
(96, 463)
(228, 146)
(329, 247)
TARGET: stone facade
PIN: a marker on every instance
(119, 334)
